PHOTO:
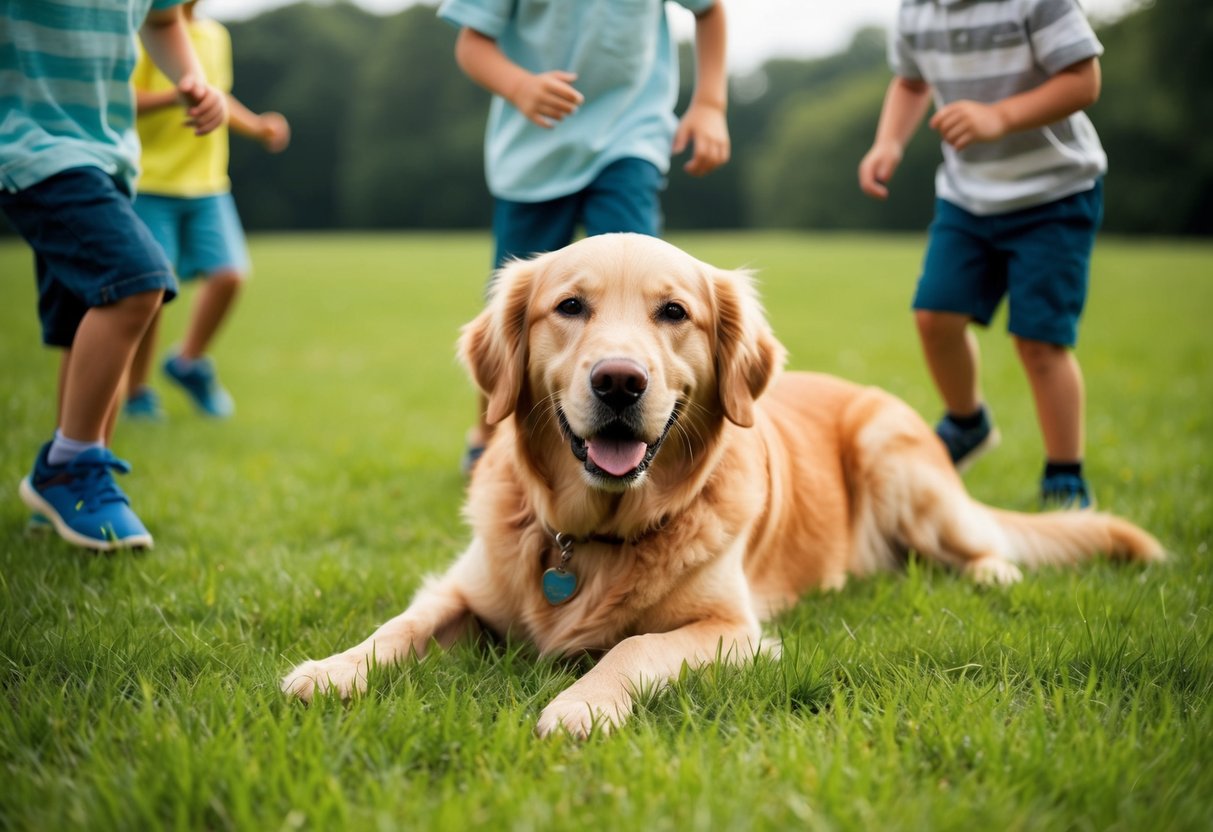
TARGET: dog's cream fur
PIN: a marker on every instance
(764, 489)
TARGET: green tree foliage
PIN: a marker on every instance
(303, 61)
(413, 147)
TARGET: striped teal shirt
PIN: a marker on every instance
(65, 94)
(987, 50)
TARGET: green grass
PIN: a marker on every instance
(141, 691)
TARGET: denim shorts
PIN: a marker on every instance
(1038, 257)
(90, 249)
(201, 235)
(623, 197)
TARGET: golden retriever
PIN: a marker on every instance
(655, 488)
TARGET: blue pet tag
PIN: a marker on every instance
(559, 585)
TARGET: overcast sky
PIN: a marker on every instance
(758, 29)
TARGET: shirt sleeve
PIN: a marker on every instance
(901, 55)
(1060, 34)
(488, 17)
(697, 6)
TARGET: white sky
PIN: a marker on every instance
(758, 29)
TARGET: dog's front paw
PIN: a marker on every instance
(578, 718)
(341, 673)
(993, 571)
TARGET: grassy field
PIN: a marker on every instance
(141, 691)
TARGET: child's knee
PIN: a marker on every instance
(138, 309)
(1040, 356)
(936, 326)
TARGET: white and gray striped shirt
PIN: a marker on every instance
(987, 50)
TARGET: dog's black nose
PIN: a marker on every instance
(618, 382)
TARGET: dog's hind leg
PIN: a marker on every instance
(439, 613)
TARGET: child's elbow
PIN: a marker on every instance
(1092, 82)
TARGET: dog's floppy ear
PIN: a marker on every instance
(747, 354)
(493, 346)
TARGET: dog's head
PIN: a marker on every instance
(618, 342)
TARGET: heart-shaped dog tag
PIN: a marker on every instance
(559, 585)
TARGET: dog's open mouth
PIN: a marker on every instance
(615, 451)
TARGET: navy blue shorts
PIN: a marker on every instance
(623, 197)
(89, 247)
(1039, 257)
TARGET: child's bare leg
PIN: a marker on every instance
(95, 365)
(141, 363)
(214, 301)
(1057, 387)
(111, 417)
(953, 358)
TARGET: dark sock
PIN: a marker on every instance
(1054, 468)
(967, 422)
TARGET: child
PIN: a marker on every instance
(67, 163)
(1018, 203)
(184, 198)
(582, 123)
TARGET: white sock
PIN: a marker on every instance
(64, 450)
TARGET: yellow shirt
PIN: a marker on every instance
(175, 162)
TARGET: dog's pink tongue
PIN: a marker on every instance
(616, 456)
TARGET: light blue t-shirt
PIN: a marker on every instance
(65, 95)
(624, 56)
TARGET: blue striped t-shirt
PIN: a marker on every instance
(65, 94)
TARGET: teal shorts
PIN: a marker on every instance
(1038, 257)
(200, 235)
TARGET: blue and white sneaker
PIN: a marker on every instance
(966, 445)
(143, 406)
(197, 379)
(83, 503)
(1065, 492)
(38, 526)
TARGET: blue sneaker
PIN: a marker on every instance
(966, 445)
(144, 406)
(1065, 492)
(197, 379)
(83, 503)
(38, 525)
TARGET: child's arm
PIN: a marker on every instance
(703, 125)
(544, 98)
(1072, 89)
(269, 128)
(905, 104)
(146, 102)
(167, 43)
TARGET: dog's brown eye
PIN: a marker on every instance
(571, 307)
(673, 312)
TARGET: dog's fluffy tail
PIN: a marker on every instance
(1061, 538)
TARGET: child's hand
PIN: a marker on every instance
(963, 122)
(206, 107)
(547, 98)
(275, 131)
(704, 127)
(877, 167)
